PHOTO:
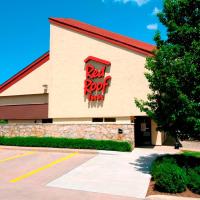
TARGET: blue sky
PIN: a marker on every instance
(24, 30)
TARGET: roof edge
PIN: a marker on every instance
(24, 72)
(105, 35)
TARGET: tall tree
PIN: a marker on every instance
(173, 72)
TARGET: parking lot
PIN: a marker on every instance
(25, 174)
(48, 173)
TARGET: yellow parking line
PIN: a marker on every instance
(43, 168)
(17, 156)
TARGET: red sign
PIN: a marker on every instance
(96, 83)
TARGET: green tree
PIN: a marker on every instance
(173, 72)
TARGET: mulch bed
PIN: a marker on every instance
(153, 191)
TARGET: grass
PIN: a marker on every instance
(192, 153)
(74, 143)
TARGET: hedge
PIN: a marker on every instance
(173, 173)
(2, 121)
(66, 143)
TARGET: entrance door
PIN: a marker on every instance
(142, 127)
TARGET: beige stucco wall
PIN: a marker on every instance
(32, 83)
(71, 120)
(119, 120)
(68, 50)
(24, 99)
(157, 137)
(123, 120)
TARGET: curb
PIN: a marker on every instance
(47, 149)
(169, 197)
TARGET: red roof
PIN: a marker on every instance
(89, 30)
(27, 70)
(95, 32)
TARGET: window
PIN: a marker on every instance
(97, 119)
(44, 121)
(111, 119)
(107, 119)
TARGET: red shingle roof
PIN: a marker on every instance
(24, 72)
(99, 33)
(89, 30)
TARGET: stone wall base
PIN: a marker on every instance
(89, 131)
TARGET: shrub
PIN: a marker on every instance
(197, 170)
(66, 143)
(194, 179)
(160, 160)
(170, 177)
(187, 161)
(2, 121)
(182, 160)
(169, 172)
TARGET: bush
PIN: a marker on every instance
(197, 170)
(2, 121)
(169, 172)
(66, 143)
(187, 161)
(159, 160)
(182, 160)
(194, 179)
(169, 177)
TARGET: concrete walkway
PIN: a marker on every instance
(191, 145)
(115, 173)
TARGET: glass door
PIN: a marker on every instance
(142, 131)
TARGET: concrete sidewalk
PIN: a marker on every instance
(48, 149)
(115, 173)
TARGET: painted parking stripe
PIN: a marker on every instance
(17, 156)
(43, 168)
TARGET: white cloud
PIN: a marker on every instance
(139, 2)
(156, 11)
(152, 26)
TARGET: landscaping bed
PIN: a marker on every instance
(177, 174)
(74, 143)
(186, 193)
